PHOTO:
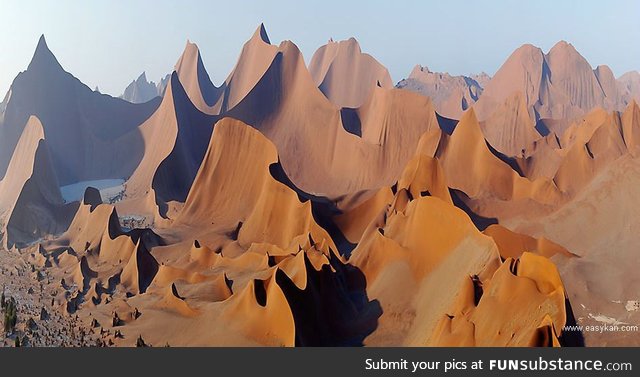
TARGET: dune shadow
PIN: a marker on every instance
(73, 115)
(176, 173)
(542, 128)
(263, 100)
(459, 200)
(513, 164)
(351, 121)
(210, 93)
(447, 125)
(322, 209)
(333, 309)
(574, 338)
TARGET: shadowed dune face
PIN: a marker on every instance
(90, 135)
(320, 206)
(202, 92)
(31, 205)
(271, 89)
(175, 174)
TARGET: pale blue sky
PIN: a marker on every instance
(108, 43)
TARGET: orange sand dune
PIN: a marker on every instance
(585, 148)
(253, 206)
(346, 75)
(420, 245)
(513, 245)
(261, 264)
(271, 89)
(260, 278)
(532, 85)
(336, 163)
(436, 283)
(484, 173)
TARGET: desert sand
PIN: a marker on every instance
(321, 205)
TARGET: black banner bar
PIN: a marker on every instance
(327, 362)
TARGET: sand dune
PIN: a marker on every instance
(586, 147)
(272, 90)
(254, 64)
(336, 162)
(485, 174)
(531, 86)
(595, 169)
(513, 245)
(299, 118)
(629, 86)
(255, 207)
(410, 258)
(259, 278)
(195, 79)
(31, 205)
(606, 203)
(176, 136)
(346, 75)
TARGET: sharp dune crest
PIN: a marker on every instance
(345, 74)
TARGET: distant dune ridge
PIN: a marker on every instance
(560, 84)
(532, 94)
(452, 95)
(140, 90)
(318, 206)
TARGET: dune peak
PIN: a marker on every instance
(630, 74)
(43, 57)
(527, 48)
(562, 44)
(261, 32)
(565, 49)
(42, 42)
(142, 77)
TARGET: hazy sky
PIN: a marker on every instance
(109, 43)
